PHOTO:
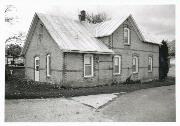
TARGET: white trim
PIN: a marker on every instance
(48, 65)
(136, 64)
(151, 63)
(119, 58)
(128, 35)
(92, 65)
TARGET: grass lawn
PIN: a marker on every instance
(20, 88)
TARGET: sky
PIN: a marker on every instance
(155, 19)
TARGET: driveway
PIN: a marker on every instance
(155, 104)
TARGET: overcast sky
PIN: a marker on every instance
(158, 20)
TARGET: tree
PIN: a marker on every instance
(96, 18)
(16, 38)
(14, 50)
(172, 48)
(163, 60)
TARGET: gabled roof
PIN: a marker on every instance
(76, 36)
(72, 36)
(108, 27)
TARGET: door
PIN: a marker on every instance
(36, 68)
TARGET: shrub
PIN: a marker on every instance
(7, 73)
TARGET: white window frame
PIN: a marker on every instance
(128, 35)
(150, 61)
(92, 65)
(48, 65)
(136, 64)
(119, 57)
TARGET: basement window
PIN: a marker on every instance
(117, 64)
(150, 63)
(48, 65)
(126, 36)
(88, 65)
(135, 65)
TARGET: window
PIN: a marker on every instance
(48, 65)
(150, 64)
(135, 64)
(37, 63)
(117, 65)
(88, 65)
(126, 36)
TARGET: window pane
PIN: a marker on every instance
(116, 69)
(87, 70)
(48, 64)
(116, 61)
(134, 68)
(134, 61)
(150, 64)
(116, 65)
(149, 67)
(37, 68)
(135, 64)
(126, 35)
(87, 60)
(37, 62)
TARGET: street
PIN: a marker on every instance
(154, 104)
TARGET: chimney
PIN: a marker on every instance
(82, 16)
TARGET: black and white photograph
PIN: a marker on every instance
(89, 61)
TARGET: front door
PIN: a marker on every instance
(36, 68)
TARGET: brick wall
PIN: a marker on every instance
(143, 50)
(41, 49)
(74, 70)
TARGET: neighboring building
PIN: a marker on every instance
(76, 53)
(8, 60)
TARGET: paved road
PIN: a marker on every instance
(155, 104)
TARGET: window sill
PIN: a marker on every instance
(135, 72)
(88, 76)
(48, 76)
(150, 71)
(116, 73)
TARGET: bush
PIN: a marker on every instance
(7, 73)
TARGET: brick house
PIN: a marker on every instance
(76, 53)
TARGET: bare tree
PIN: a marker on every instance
(97, 18)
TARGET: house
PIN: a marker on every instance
(78, 54)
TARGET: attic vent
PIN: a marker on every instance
(41, 32)
(41, 29)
